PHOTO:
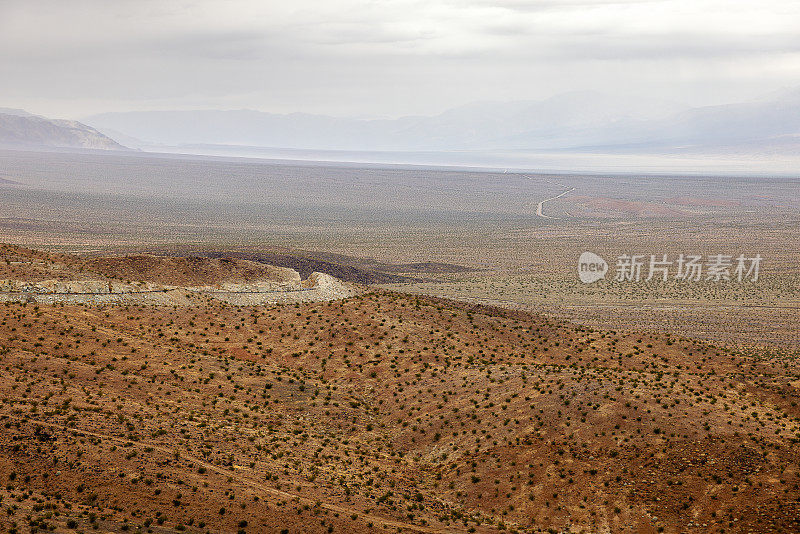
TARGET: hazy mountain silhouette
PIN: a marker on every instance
(19, 128)
(572, 121)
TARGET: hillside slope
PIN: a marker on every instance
(29, 131)
(385, 413)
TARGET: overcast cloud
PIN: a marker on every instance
(68, 58)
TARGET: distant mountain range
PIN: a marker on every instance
(578, 122)
(582, 121)
(20, 129)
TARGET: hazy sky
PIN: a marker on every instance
(69, 58)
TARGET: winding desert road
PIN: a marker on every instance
(541, 204)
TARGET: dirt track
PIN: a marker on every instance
(244, 480)
(541, 204)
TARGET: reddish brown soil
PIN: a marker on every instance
(385, 413)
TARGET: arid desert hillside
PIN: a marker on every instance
(383, 412)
